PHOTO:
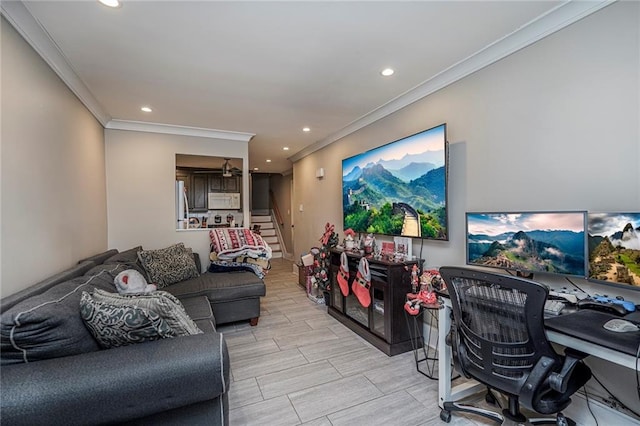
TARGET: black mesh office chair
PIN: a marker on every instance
(498, 339)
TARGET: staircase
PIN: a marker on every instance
(268, 233)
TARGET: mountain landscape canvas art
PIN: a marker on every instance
(551, 242)
(614, 247)
(399, 188)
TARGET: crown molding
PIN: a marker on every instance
(565, 14)
(30, 29)
(554, 20)
(169, 129)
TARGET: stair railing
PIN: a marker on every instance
(277, 217)
(276, 210)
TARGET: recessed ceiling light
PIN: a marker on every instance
(256, 169)
(268, 161)
(387, 72)
(146, 109)
(285, 148)
(306, 129)
(111, 3)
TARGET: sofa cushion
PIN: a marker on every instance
(129, 258)
(164, 304)
(220, 286)
(107, 271)
(126, 256)
(120, 325)
(168, 265)
(46, 284)
(100, 257)
(49, 325)
(206, 325)
(198, 308)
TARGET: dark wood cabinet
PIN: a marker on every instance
(231, 184)
(199, 192)
(215, 183)
(383, 323)
(219, 183)
(200, 183)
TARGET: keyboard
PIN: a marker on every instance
(553, 307)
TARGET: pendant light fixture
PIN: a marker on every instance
(226, 168)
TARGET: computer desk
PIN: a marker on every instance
(448, 393)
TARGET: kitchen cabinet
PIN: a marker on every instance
(199, 192)
(219, 183)
(199, 183)
(231, 184)
(215, 183)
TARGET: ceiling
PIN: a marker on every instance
(271, 68)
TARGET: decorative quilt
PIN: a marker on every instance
(230, 243)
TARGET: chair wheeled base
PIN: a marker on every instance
(511, 416)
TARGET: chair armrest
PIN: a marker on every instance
(115, 385)
(458, 351)
(535, 380)
(542, 377)
(559, 381)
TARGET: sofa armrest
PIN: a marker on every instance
(115, 385)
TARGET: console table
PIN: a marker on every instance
(383, 323)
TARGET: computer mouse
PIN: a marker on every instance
(620, 326)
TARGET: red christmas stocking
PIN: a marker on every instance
(343, 275)
(362, 283)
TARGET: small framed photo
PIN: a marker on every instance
(388, 247)
(403, 245)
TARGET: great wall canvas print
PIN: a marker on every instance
(400, 188)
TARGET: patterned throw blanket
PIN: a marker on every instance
(230, 243)
(224, 266)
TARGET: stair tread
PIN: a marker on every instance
(265, 225)
(260, 219)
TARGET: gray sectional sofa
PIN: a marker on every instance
(54, 371)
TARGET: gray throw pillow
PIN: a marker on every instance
(121, 325)
(166, 305)
(168, 265)
(128, 258)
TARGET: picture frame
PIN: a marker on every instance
(403, 245)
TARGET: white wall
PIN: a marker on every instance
(53, 193)
(140, 170)
(552, 127)
(555, 126)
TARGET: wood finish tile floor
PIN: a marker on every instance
(301, 366)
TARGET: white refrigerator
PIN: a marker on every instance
(182, 206)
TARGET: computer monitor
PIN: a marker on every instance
(528, 242)
(614, 248)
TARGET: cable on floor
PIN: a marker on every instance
(615, 399)
(586, 395)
